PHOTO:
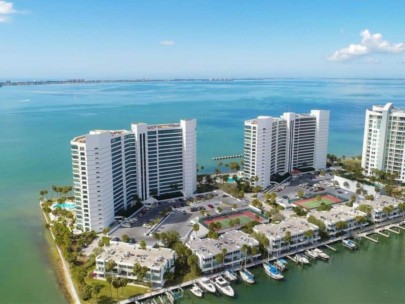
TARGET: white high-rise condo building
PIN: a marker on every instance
(277, 145)
(384, 138)
(110, 168)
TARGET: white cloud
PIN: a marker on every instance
(167, 42)
(6, 9)
(370, 44)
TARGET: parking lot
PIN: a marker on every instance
(312, 184)
(181, 219)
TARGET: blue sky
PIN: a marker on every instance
(153, 39)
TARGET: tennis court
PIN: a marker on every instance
(244, 217)
(313, 202)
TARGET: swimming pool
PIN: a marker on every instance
(69, 206)
(230, 180)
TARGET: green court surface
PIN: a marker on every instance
(312, 203)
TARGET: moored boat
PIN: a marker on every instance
(223, 286)
(280, 265)
(206, 284)
(196, 290)
(311, 254)
(300, 258)
(349, 244)
(230, 275)
(247, 276)
(272, 271)
(321, 254)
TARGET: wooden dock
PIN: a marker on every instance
(227, 157)
(330, 247)
(370, 238)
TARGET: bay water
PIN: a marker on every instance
(38, 122)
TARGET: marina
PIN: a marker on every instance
(217, 282)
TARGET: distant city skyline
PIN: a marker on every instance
(201, 39)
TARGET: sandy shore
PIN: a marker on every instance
(64, 273)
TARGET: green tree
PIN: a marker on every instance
(109, 280)
(109, 267)
(168, 276)
(142, 244)
(318, 198)
(300, 194)
(340, 225)
(309, 234)
(116, 283)
(124, 283)
(287, 237)
(125, 238)
(96, 288)
(196, 227)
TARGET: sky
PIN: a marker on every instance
(126, 39)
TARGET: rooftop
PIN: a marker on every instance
(293, 224)
(82, 139)
(381, 201)
(123, 253)
(337, 213)
(231, 241)
(387, 107)
(164, 126)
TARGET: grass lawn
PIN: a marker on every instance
(105, 295)
(244, 217)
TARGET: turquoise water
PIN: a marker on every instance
(230, 180)
(65, 206)
(38, 122)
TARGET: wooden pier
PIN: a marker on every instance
(227, 157)
(383, 234)
(330, 247)
(370, 238)
(393, 231)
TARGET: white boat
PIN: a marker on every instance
(223, 286)
(311, 254)
(272, 271)
(349, 244)
(230, 275)
(206, 284)
(321, 254)
(280, 265)
(247, 276)
(300, 258)
(197, 291)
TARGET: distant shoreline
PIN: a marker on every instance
(143, 80)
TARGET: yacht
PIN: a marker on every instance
(230, 275)
(349, 244)
(300, 258)
(197, 291)
(280, 265)
(272, 271)
(311, 254)
(321, 254)
(206, 284)
(223, 286)
(247, 276)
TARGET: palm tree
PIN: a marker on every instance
(224, 251)
(116, 284)
(254, 251)
(287, 237)
(95, 289)
(109, 279)
(196, 227)
(109, 267)
(124, 283)
(245, 249)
